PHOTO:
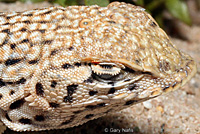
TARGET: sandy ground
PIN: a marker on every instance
(173, 113)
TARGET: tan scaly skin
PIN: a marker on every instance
(61, 67)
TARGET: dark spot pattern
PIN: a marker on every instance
(25, 121)
(43, 22)
(173, 85)
(71, 88)
(54, 105)
(17, 104)
(29, 15)
(112, 22)
(53, 84)
(2, 83)
(25, 41)
(137, 61)
(6, 31)
(39, 89)
(12, 92)
(33, 61)
(130, 102)
(39, 118)
(32, 44)
(77, 64)
(71, 48)
(47, 42)
(70, 91)
(1, 96)
(12, 61)
(165, 88)
(10, 82)
(91, 93)
(8, 17)
(7, 117)
(42, 31)
(48, 12)
(67, 99)
(53, 52)
(27, 21)
(21, 81)
(111, 91)
(6, 23)
(66, 66)
(89, 116)
(23, 29)
(12, 46)
(132, 87)
(5, 42)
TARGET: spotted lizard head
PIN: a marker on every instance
(61, 67)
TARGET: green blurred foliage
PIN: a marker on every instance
(176, 8)
(34, 1)
(8, 1)
(102, 3)
(179, 10)
(66, 2)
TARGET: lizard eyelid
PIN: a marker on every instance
(105, 68)
(106, 71)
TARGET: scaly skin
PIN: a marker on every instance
(61, 67)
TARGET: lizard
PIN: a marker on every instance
(61, 67)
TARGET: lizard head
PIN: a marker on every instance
(116, 57)
(129, 51)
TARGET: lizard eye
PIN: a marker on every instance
(106, 71)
